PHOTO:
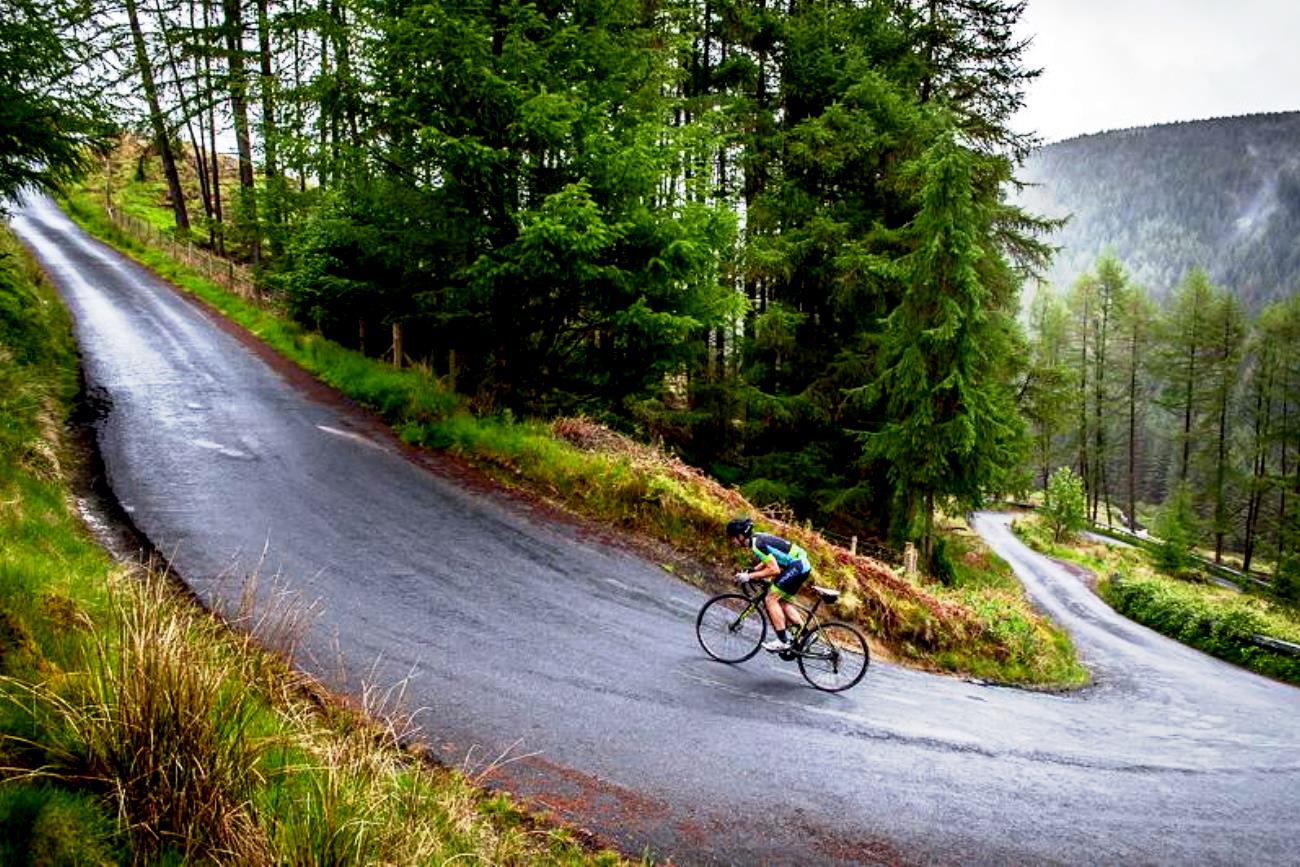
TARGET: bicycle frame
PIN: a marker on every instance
(757, 592)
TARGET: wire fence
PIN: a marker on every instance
(855, 544)
(237, 278)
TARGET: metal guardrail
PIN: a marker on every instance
(1276, 644)
(1227, 573)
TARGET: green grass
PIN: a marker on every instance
(137, 729)
(1218, 621)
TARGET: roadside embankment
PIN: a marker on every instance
(137, 728)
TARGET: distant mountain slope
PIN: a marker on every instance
(1223, 194)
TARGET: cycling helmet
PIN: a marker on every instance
(739, 527)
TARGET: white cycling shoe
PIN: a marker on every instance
(776, 645)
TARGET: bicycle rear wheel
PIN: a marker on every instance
(731, 627)
(834, 657)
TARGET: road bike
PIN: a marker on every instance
(832, 656)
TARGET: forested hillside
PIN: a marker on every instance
(1222, 195)
(773, 236)
(777, 238)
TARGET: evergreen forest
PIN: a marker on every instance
(1222, 195)
(786, 240)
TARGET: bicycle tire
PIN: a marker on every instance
(834, 657)
(731, 627)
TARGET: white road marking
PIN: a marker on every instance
(348, 435)
(220, 449)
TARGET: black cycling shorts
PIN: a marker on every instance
(787, 584)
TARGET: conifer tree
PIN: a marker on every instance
(947, 352)
(1136, 316)
(48, 115)
(1045, 394)
(1226, 340)
(1181, 359)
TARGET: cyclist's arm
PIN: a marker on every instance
(765, 570)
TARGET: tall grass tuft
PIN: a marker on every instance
(159, 719)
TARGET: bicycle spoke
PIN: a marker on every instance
(835, 657)
(730, 627)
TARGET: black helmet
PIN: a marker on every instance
(739, 527)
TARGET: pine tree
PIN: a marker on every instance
(49, 112)
(947, 353)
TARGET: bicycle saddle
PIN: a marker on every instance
(826, 593)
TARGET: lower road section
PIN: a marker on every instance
(567, 671)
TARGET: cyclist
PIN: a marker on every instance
(780, 562)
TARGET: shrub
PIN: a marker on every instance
(1176, 526)
(1224, 626)
(1065, 505)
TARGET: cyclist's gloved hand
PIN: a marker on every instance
(741, 577)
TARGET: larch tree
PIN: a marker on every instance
(1044, 395)
(1136, 317)
(1227, 334)
(158, 122)
(1111, 287)
(1181, 361)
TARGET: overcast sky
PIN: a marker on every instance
(1112, 64)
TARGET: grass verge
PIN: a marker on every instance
(137, 728)
(1217, 620)
(985, 631)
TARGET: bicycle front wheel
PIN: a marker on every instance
(835, 657)
(731, 627)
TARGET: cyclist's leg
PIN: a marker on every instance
(775, 610)
(784, 589)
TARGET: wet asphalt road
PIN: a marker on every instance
(573, 666)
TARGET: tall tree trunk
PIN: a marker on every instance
(1084, 464)
(324, 165)
(1259, 466)
(1099, 392)
(1132, 433)
(270, 132)
(1281, 506)
(162, 136)
(210, 90)
(196, 141)
(1188, 407)
(268, 89)
(234, 27)
(1220, 507)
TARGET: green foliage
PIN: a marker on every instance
(48, 111)
(1176, 526)
(1065, 506)
(1222, 626)
(948, 351)
(41, 823)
